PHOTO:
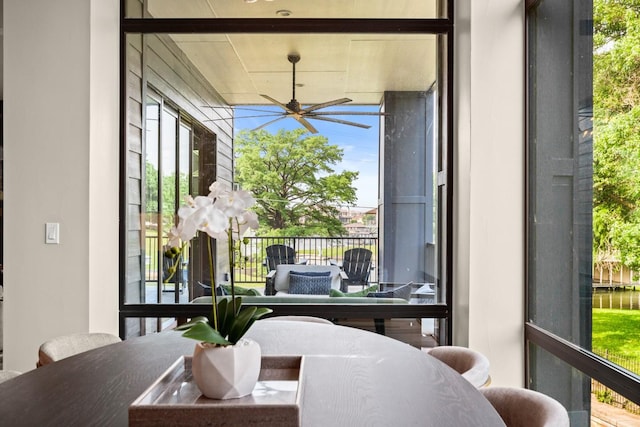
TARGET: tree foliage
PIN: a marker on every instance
(292, 177)
(170, 202)
(616, 169)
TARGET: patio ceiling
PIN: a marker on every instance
(356, 66)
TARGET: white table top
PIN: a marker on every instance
(374, 380)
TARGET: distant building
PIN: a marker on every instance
(359, 223)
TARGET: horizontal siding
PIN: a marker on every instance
(133, 239)
(134, 112)
(133, 194)
(134, 272)
(134, 138)
(134, 87)
(134, 165)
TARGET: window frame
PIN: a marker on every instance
(613, 376)
(438, 26)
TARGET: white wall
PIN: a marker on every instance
(61, 165)
(489, 211)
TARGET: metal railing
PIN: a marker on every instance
(252, 267)
(309, 250)
(605, 394)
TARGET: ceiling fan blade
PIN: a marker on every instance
(259, 109)
(305, 123)
(253, 116)
(278, 103)
(346, 113)
(343, 122)
(325, 104)
(268, 123)
(226, 119)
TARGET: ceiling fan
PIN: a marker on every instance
(296, 111)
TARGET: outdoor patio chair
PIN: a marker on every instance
(280, 254)
(356, 263)
(68, 345)
(521, 407)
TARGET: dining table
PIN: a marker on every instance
(359, 378)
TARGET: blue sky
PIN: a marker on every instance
(360, 145)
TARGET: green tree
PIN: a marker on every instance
(616, 169)
(151, 192)
(291, 175)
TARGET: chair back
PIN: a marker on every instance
(356, 263)
(279, 254)
(7, 375)
(311, 319)
(521, 407)
(471, 364)
(69, 345)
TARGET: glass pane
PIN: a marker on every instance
(568, 386)
(560, 165)
(140, 326)
(152, 248)
(583, 185)
(398, 9)
(588, 402)
(594, 306)
(371, 114)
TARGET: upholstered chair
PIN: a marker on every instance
(520, 407)
(471, 364)
(69, 345)
(301, 319)
(7, 375)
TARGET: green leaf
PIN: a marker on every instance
(205, 333)
(224, 316)
(191, 323)
(261, 311)
(241, 323)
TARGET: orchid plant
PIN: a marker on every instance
(222, 215)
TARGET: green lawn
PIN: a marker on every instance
(617, 331)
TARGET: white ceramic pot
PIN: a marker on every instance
(226, 372)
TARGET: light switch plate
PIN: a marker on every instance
(52, 233)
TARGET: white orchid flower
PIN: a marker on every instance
(244, 222)
(235, 203)
(191, 216)
(215, 190)
(213, 222)
(175, 240)
(220, 214)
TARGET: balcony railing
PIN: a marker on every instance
(252, 267)
(312, 250)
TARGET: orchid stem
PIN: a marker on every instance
(174, 264)
(214, 313)
(231, 264)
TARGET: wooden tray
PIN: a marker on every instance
(175, 400)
